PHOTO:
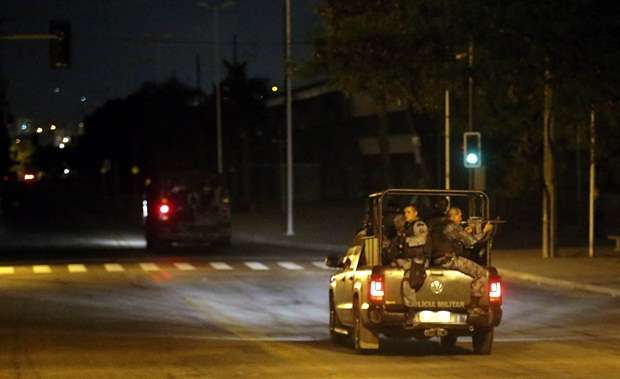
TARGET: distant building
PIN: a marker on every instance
(336, 144)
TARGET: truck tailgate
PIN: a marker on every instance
(442, 289)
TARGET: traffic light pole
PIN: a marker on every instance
(470, 115)
(447, 141)
(591, 197)
(289, 123)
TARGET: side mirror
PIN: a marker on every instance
(333, 261)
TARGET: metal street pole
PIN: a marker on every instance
(289, 123)
(215, 8)
(470, 106)
(591, 204)
(447, 137)
(218, 94)
(549, 192)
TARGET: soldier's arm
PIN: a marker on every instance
(456, 233)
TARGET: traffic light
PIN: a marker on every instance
(472, 151)
(60, 47)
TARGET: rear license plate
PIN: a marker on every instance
(441, 317)
(434, 317)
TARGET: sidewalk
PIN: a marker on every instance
(330, 226)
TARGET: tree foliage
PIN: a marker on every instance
(405, 50)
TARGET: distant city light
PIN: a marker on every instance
(28, 177)
(81, 124)
(18, 141)
(274, 89)
(52, 127)
(39, 130)
(83, 99)
(57, 90)
(24, 126)
(67, 171)
(61, 146)
(66, 139)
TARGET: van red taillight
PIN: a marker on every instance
(377, 289)
(165, 209)
(495, 291)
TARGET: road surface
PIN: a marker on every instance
(256, 311)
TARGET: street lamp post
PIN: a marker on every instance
(289, 122)
(215, 8)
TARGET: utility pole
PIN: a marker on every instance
(447, 139)
(235, 48)
(591, 203)
(470, 107)
(218, 89)
(289, 122)
(215, 8)
(548, 195)
(198, 74)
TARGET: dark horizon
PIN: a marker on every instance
(118, 46)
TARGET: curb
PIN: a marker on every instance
(558, 283)
(515, 275)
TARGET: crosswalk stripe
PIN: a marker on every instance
(256, 266)
(221, 266)
(320, 264)
(41, 269)
(113, 267)
(290, 266)
(184, 266)
(7, 270)
(149, 266)
(76, 268)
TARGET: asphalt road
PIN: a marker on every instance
(254, 311)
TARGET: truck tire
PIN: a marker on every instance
(334, 322)
(155, 244)
(483, 341)
(448, 341)
(222, 242)
(356, 336)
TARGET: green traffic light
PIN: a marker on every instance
(472, 158)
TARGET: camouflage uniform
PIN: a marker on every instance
(450, 259)
(408, 252)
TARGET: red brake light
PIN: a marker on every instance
(377, 289)
(495, 291)
(165, 208)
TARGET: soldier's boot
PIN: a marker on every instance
(410, 322)
(474, 309)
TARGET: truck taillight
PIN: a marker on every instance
(495, 291)
(164, 209)
(377, 289)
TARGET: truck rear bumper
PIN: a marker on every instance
(392, 323)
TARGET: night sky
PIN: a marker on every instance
(120, 44)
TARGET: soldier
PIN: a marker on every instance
(411, 236)
(408, 248)
(449, 238)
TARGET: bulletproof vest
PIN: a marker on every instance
(416, 234)
(441, 245)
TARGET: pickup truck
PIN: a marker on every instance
(370, 296)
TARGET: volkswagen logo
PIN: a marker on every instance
(436, 287)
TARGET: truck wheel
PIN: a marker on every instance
(333, 321)
(483, 341)
(448, 341)
(357, 329)
(222, 242)
(155, 244)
